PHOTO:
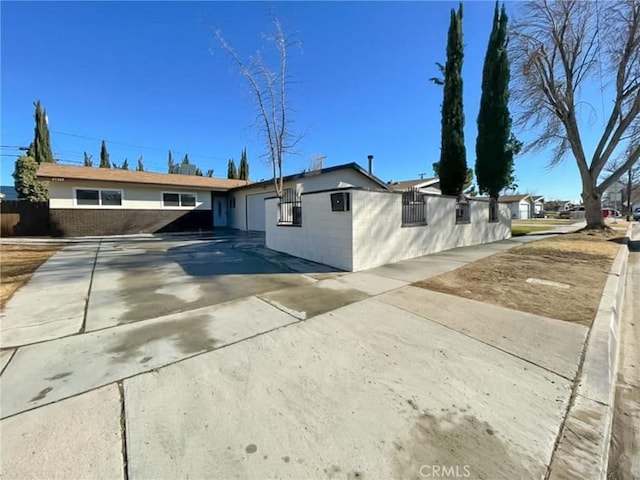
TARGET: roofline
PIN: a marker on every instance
(313, 173)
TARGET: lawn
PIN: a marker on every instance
(519, 230)
(17, 264)
(560, 277)
(542, 221)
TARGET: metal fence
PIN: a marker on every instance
(413, 207)
(463, 211)
(290, 208)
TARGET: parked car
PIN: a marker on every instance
(636, 214)
(610, 212)
(564, 214)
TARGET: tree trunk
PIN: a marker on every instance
(592, 207)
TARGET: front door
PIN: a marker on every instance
(219, 211)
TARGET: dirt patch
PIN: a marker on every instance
(17, 264)
(580, 260)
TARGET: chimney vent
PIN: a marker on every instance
(370, 158)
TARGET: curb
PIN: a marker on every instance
(583, 449)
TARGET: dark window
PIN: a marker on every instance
(187, 200)
(340, 202)
(88, 197)
(111, 197)
(171, 199)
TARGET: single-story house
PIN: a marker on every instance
(103, 201)
(424, 185)
(100, 201)
(520, 205)
(246, 203)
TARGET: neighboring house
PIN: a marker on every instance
(424, 185)
(537, 206)
(101, 201)
(520, 205)
(246, 203)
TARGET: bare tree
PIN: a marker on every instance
(269, 88)
(558, 46)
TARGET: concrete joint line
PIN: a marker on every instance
(13, 354)
(487, 344)
(123, 433)
(86, 302)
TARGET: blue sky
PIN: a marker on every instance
(149, 76)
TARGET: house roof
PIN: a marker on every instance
(313, 173)
(53, 170)
(418, 183)
(512, 198)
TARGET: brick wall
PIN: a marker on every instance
(86, 222)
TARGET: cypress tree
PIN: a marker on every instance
(210, 172)
(42, 144)
(125, 165)
(495, 144)
(87, 160)
(104, 156)
(232, 171)
(243, 174)
(453, 161)
(171, 164)
(185, 160)
(140, 167)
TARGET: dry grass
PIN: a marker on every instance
(17, 264)
(579, 260)
(542, 221)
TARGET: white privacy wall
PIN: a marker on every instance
(380, 238)
(324, 237)
(372, 234)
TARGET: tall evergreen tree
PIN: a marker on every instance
(453, 161)
(41, 142)
(87, 160)
(171, 164)
(494, 145)
(243, 174)
(232, 171)
(210, 172)
(185, 160)
(104, 156)
(125, 165)
(140, 167)
(26, 180)
(199, 172)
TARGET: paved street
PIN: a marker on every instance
(213, 357)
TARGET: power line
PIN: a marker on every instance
(113, 142)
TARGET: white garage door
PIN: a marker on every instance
(524, 211)
(255, 211)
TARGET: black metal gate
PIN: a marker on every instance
(290, 208)
(413, 208)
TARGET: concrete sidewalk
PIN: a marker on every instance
(334, 376)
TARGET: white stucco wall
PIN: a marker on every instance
(324, 237)
(346, 177)
(134, 197)
(380, 238)
(372, 234)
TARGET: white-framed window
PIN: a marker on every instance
(179, 200)
(97, 197)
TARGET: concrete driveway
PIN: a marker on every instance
(213, 357)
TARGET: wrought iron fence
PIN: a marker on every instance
(290, 208)
(413, 207)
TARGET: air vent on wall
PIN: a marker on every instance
(340, 202)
